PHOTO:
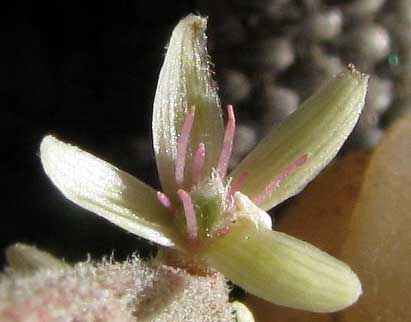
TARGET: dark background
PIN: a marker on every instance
(87, 74)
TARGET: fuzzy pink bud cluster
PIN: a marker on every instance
(112, 292)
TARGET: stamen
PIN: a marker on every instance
(182, 145)
(191, 219)
(275, 184)
(238, 183)
(165, 201)
(198, 165)
(227, 144)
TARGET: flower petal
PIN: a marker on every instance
(24, 258)
(283, 270)
(242, 313)
(107, 191)
(317, 129)
(185, 81)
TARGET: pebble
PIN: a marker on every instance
(370, 42)
(380, 94)
(278, 103)
(275, 54)
(235, 86)
(325, 25)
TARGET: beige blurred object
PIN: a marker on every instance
(264, 311)
(321, 213)
(379, 245)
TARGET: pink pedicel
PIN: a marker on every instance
(227, 143)
(182, 145)
(191, 219)
(274, 184)
(165, 201)
(198, 164)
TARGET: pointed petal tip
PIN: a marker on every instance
(357, 289)
(352, 72)
(45, 142)
(193, 22)
(186, 80)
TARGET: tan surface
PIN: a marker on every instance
(379, 244)
(266, 312)
(320, 215)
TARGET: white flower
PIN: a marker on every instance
(202, 211)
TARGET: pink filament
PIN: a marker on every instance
(191, 219)
(182, 146)
(239, 182)
(227, 143)
(274, 184)
(198, 164)
(164, 200)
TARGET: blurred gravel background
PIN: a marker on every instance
(88, 74)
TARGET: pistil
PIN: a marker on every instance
(225, 155)
(182, 145)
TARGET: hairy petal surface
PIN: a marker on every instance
(28, 259)
(283, 270)
(107, 191)
(185, 81)
(317, 129)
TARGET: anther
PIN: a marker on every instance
(191, 219)
(182, 145)
(275, 184)
(227, 143)
(164, 200)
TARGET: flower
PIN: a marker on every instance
(208, 214)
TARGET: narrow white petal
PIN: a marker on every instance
(283, 270)
(107, 191)
(316, 130)
(186, 80)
